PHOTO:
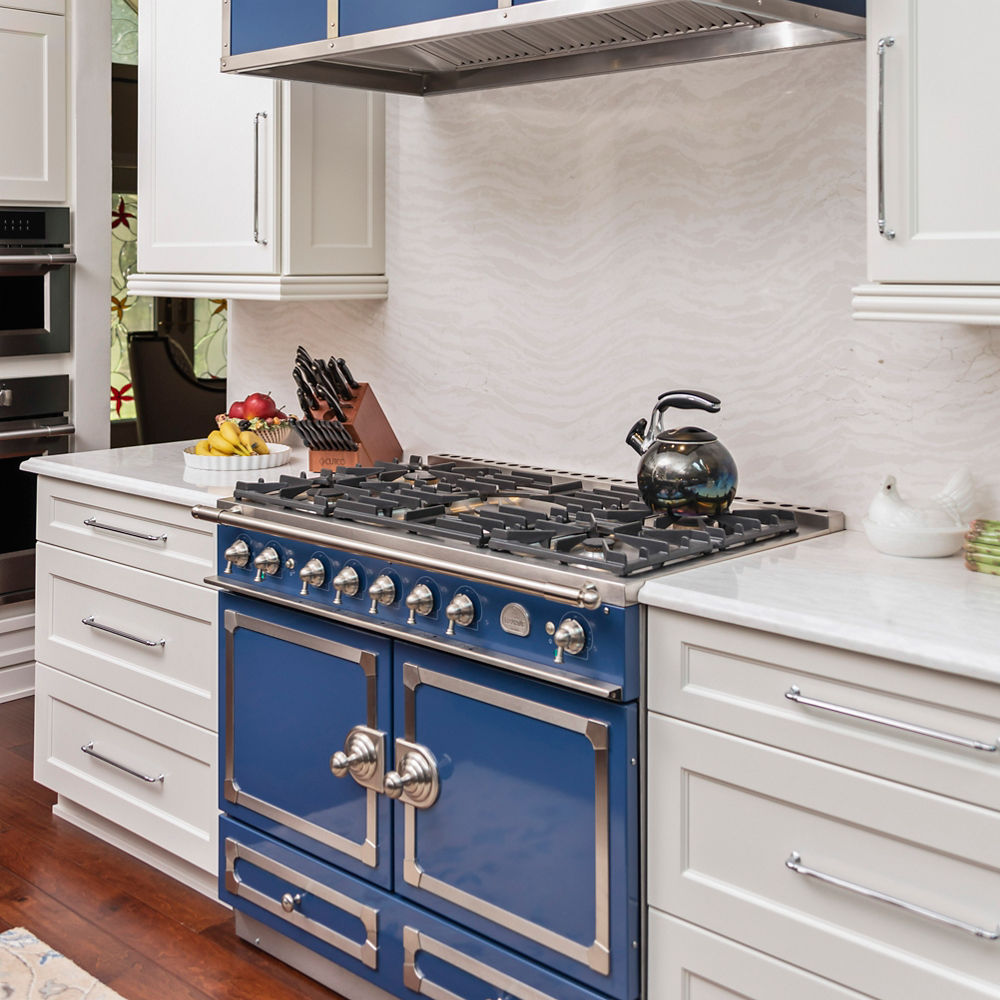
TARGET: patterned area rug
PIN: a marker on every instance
(31, 970)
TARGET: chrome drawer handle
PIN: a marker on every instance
(794, 863)
(88, 748)
(794, 694)
(91, 523)
(125, 635)
(257, 118)
(883, 44)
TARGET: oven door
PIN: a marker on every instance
(518, 815)
(294, 691)
(20, 441)
(35, 303)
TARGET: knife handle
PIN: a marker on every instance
(342, 364)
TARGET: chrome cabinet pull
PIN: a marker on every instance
(415, 781)
(88, 748)
(261, 115)
(794, 863)
(794, 694)
(125, 635)
(91, 523)
(363, 758)
(43, 431)
(883, 44)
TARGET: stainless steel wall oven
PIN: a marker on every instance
(35, 281)
(32, 422)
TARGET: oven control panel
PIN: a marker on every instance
(409, 601)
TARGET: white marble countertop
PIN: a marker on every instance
(839, 591)
(153, 470)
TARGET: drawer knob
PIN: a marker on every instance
(289, 902)
(362, 758)
(415, 780)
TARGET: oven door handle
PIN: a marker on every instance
(41, 259)
(30, 433)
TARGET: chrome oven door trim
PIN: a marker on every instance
(415, 941)
(366, 952)
(596, 956)
(367, 851)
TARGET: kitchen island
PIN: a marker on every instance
(126, 714)
(823, 776)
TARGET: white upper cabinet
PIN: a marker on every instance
(933, 150)
(248, 187)
(33, 109)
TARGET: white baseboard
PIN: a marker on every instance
(196, 878)
(17, 682)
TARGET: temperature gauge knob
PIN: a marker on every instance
(420, 601)
(238, 554)
(312, 575)
(461, 611)
(382, 591)
(267, 563)
(570, 637)
(347, 582)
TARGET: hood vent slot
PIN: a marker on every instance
(526, 46)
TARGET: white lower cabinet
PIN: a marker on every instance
(863, 849)
(126, 714)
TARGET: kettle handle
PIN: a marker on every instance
(682, 399)
(636, 437)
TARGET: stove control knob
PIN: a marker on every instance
(461, 611)
(382, 591)
(569, 638)
(313, 574)
(347, 582)
(267, 562)
(420, 601)
(238, 554)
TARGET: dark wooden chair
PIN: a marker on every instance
(171, 404)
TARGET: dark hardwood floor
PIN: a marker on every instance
(140, 932)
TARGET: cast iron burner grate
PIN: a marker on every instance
(517, 512)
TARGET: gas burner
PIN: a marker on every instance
(519, 512)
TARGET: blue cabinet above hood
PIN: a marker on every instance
(434, 46)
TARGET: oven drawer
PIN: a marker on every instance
(367, 933)
(176, 811)
(162, 650)
(688, 963)
(744, 840)
(736, 680)
(148, 534)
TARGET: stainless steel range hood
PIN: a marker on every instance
(550, 40)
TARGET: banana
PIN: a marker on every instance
(254, 442)
(220, 443)
(203, 448)
(231, 433)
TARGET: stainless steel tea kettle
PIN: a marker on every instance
(685, 472)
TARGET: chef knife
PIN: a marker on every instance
(332, 375)
(306, 396)
(334, 365)
(342, 364)
(335, 407)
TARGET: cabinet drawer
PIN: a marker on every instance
(163, 650)
(176, 810)
(688, 963)
(737, 680)
(726, 817)
(149, 534)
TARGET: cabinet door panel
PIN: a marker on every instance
(270, 24)
(528, 840)
(33, 126)
(358, 16)
(296, 687)
(208, 150)
(941, 142)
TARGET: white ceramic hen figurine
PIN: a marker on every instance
(953, 507)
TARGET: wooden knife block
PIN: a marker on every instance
(367, 425)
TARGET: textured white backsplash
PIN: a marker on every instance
(561, 253)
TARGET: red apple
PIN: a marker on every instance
(238, 410)
(259, 404)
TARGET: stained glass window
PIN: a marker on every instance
(128, 312)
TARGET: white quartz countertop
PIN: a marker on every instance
(839, 591)
(153, 470)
